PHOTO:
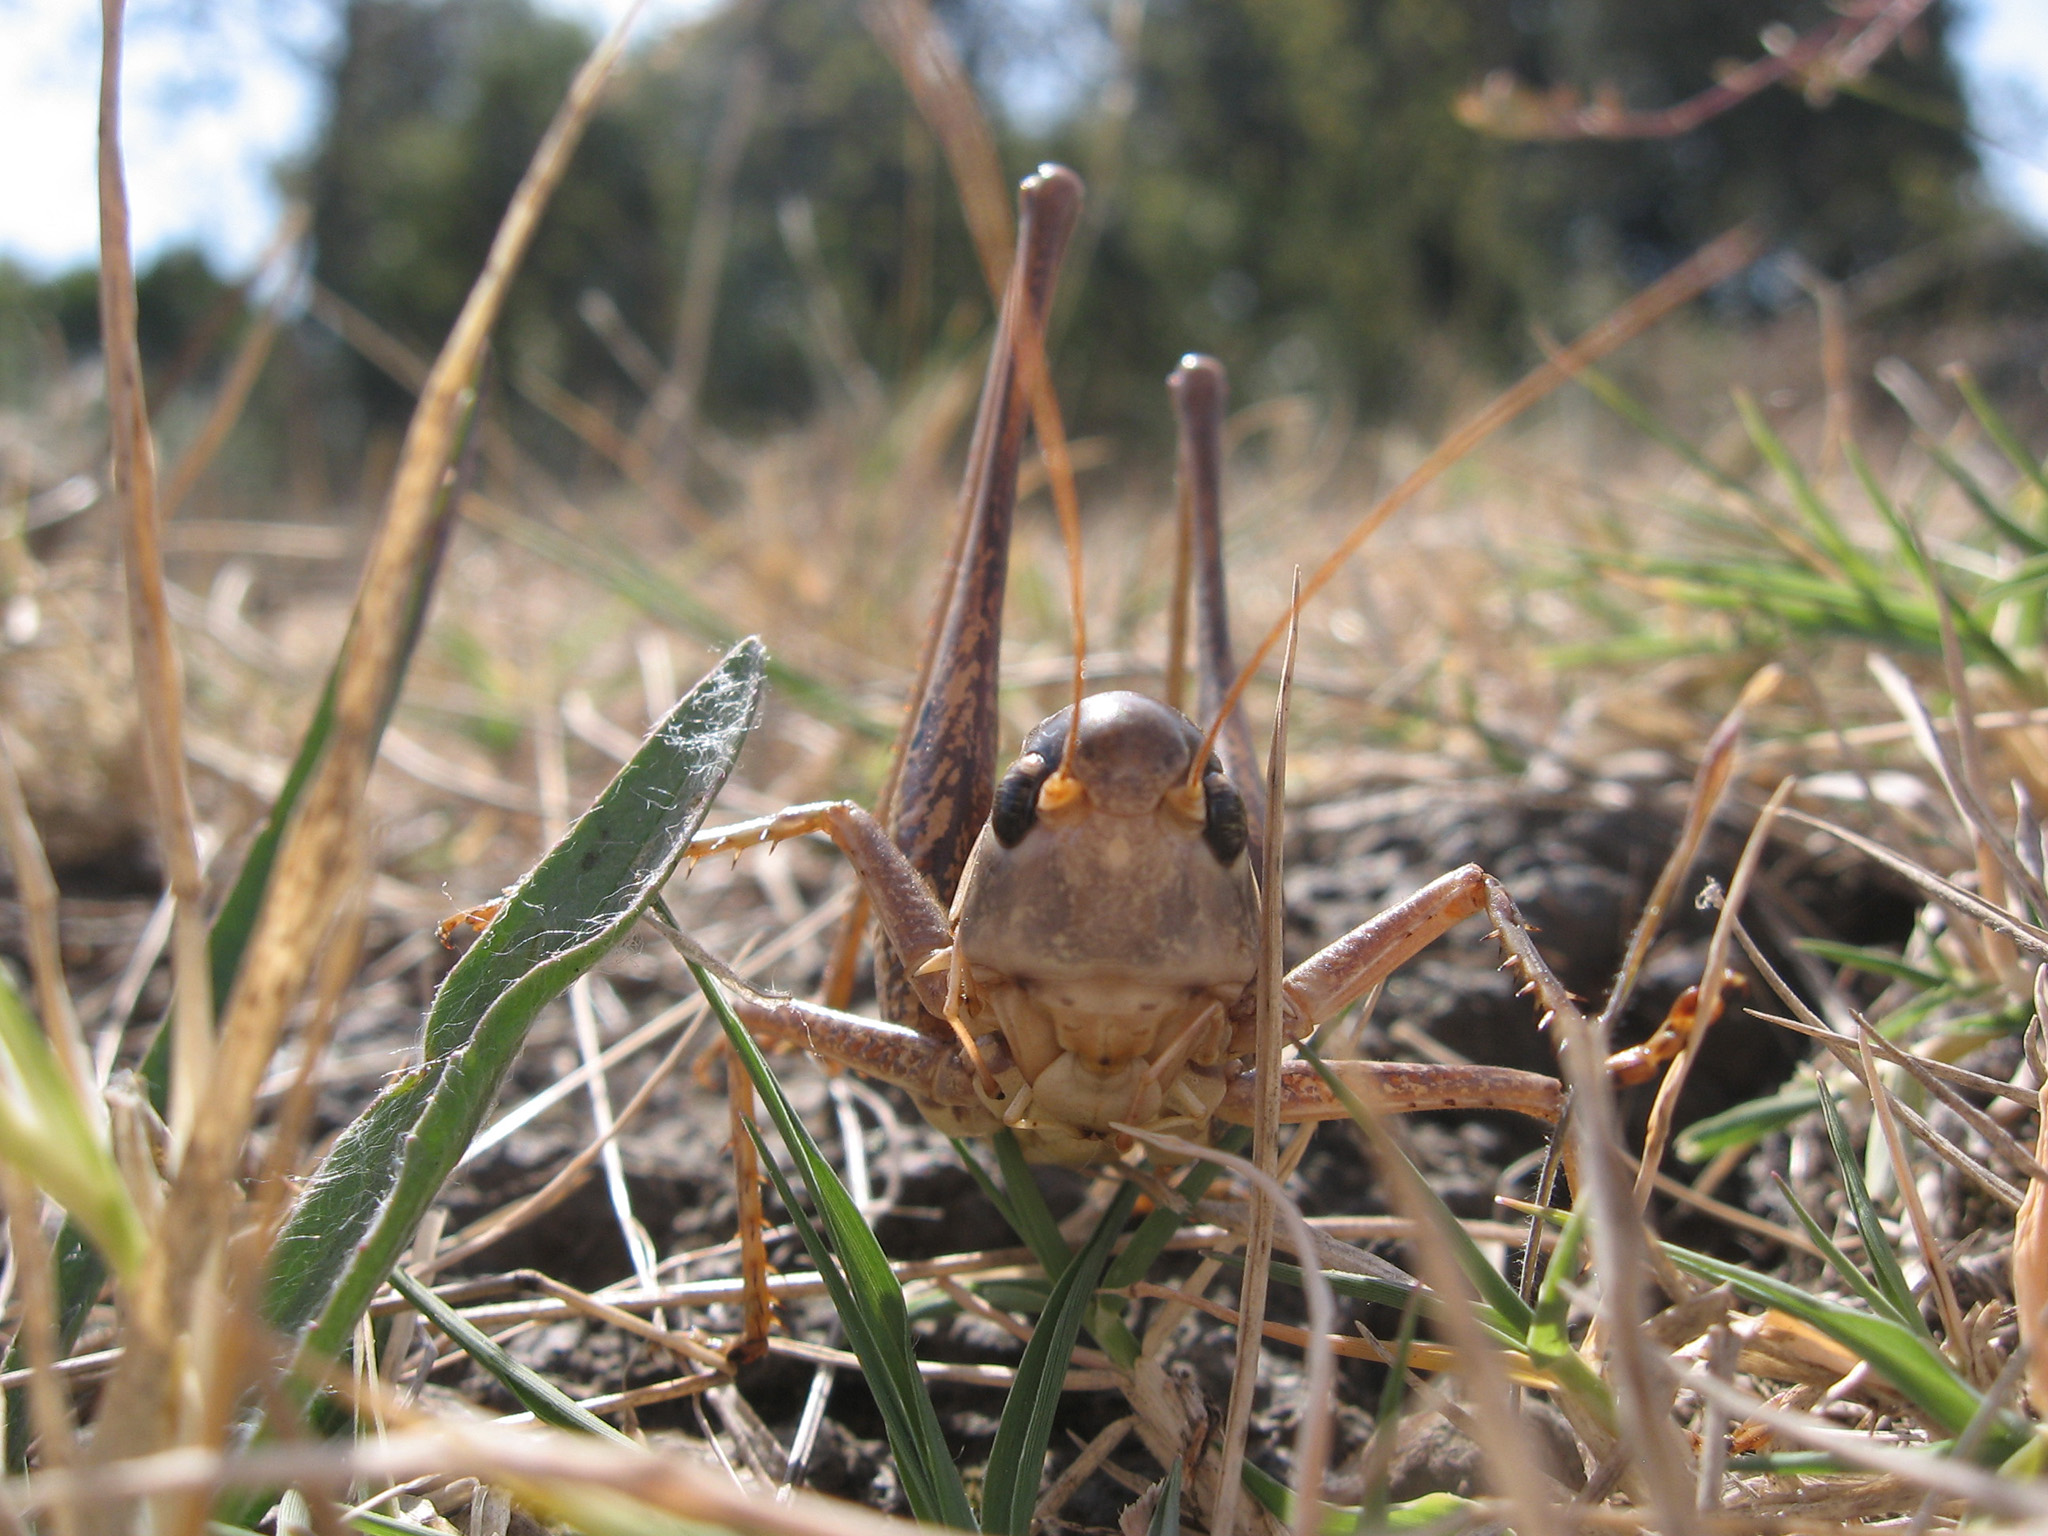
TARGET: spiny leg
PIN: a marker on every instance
(1329, 981)
(933, 1071)
(914, 923)
(1399, 1088)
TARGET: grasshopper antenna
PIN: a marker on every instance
(1712, 264)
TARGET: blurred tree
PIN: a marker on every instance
(433, 114)
(1299, 198)
(1286, 183)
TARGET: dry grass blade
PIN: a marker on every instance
(2030, 1272)
(1270, 1043)
(1883, 1104)
(1622, 1256)
(49, 1403)
(1513, 1457)
(1935, 1077)
(159, 678)
(1962, 776)
(302, 894)
(938, 83)
(2015, 1498)
(575, 1478)
(247, 367)
(1712, 264)
(1710, 783)
(1714, 976)
(1965, 903)
(1807, 1022)
(1312, 1439)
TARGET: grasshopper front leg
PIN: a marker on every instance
(1331, 980)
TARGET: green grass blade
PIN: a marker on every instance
(1387, 1293)
(1997, 428)
(902, 1420)
(1855, 566)
(355, 1217)
(1419, 1514)
(1877, 1247)
(370, 1523)
(1511, 1314)
(1970, 628)
(542, 1398)
(1550, 1345)
(1609, 393)
(867, 1294)
(1158, 1228)
(1010, 1490)
(1744, 1123)
(1870, 961)
(1027, 1208)
(1904, 1358)
(1846, 1268)
(594, 556)
(1146, 1244)
(1378, 1458)
(1995, 517)
(991, 1189)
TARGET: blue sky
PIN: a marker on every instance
(220, 90)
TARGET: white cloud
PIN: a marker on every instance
(212, 97)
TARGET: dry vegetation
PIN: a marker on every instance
(1535, 645)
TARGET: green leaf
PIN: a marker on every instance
(48, 1137)
(355, 1217)
(1010, 1490)
(865, 1291)
(542, 1398)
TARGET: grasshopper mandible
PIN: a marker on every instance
(1072, 948)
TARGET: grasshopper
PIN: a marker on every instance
(1071, 949)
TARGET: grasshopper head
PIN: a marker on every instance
(1132, 759)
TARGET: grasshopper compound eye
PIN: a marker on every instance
(1016, 804)
(1223, 824)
